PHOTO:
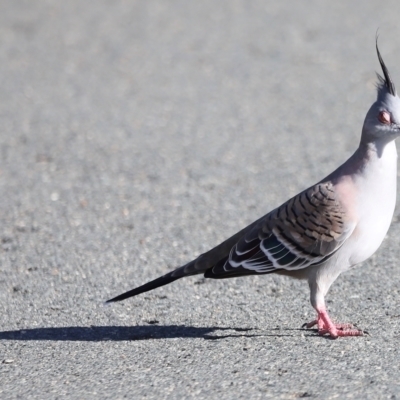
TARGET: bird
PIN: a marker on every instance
(323, 231)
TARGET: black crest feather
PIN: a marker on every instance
(387, 81)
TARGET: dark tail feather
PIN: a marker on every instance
(161, 281)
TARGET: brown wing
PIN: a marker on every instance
(304, 231)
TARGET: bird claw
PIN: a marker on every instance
(338, 330)
(326, 326)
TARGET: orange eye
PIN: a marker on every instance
(384, 117)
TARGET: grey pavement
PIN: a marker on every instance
(135, 135)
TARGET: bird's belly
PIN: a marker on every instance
(370, 232)
(374, 202)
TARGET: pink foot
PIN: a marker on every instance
(325, 325)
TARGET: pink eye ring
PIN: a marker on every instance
(384, 117)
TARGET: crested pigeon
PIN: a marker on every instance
(324, 230)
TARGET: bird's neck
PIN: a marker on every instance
(373, 172)
(372, 159)
(373, 156)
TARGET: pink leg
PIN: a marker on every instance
(325, 325)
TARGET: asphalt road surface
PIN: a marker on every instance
(135, 135)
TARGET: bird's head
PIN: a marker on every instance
(382, 122)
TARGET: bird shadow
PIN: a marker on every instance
(141, 332)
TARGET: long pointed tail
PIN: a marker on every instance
(197, 266)
(161, 281)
